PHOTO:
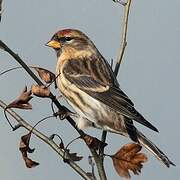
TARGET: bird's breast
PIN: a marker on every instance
(82, 103)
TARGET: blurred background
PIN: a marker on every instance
(148, 74)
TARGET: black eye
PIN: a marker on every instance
(68, 38)
(65, 39)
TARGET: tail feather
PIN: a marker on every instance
(150, 146)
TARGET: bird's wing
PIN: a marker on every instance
(96, 78)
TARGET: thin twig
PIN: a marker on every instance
(44, 138)
(101, 151)
(123, 36)
(99, 165)
(1, 9)
(119, 59)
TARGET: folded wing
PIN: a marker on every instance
(95, 77)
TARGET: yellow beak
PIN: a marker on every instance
(54, 44)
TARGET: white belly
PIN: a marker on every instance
(94, 109)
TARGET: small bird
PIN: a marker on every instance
(87, 82)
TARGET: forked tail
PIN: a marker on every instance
(150, 146)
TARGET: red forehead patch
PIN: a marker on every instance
(64, 32)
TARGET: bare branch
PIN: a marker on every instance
(100, 166)
(39, 82)
(123, 37)
(44, 138)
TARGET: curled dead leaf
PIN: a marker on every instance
(25, 149)
(24, 144)
(72, 156)
(129, 158)
(75, 157)
(45, 74)
(93, 142)
(29, 162)
(40, 91)
(22, 102)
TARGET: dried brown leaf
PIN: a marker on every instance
(25, 149)
(61, 145)
(30, 163)
(24, 144)
(93, 142)
(129, 158)
(45, 74)
(73, 156)
(22, 102)
(40, 91)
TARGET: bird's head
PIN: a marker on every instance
(70, 41)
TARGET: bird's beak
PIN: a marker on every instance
(54, 44)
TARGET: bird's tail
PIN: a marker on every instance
(150, 146)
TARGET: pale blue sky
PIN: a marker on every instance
(149, 75)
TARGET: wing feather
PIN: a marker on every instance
(103, 89)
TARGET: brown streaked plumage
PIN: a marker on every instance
(87, 82)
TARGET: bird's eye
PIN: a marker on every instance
(68, 38)
(65, 39)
